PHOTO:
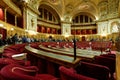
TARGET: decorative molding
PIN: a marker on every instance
(102, 20)
(66, 22)
(48, 25)
(32, 9)
(87, 27)
(47, 21)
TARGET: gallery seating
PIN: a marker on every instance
(17, 72)
(70, 74)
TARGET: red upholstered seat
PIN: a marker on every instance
(109, 55)
(8, 54)
(106, 61)
(93, 70)
(13, 49)
(17, 72)
(45, 77)
(6, 61)
(35, 45)
(15, 52)
(70, 74)
(18, 47)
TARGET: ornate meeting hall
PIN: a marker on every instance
(59, 39)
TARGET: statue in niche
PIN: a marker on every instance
(114, 28)
(66, 30)
(32, 22)
(103, 30)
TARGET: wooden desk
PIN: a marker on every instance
(69, 51)
(48, 62)
(64, 60)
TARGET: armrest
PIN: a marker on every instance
(32, 68)
(26, 71)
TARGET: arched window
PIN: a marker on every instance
(82, 19)
(48, 14)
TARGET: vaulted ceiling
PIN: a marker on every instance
(67, 8)
(70, 8)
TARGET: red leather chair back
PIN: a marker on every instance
(70, 74)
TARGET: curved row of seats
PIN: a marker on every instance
(84, 71)
(47, 66)
(107, 61)
(104, 67)
(13, 69)
(95, 45)
(101, 68)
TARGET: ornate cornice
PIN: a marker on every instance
(65, 22)
(103, 20)
(87, 27)
(48, 25)
(27, 6)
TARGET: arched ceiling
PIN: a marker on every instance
(69, 8)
